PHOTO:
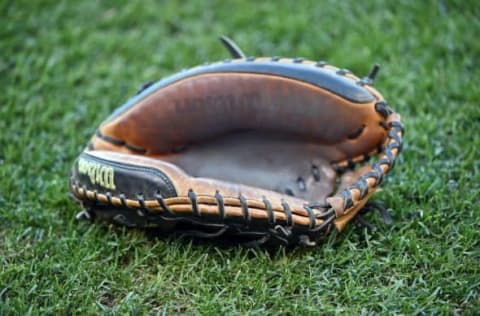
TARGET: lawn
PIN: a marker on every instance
(64, 66)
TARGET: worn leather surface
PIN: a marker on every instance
(316, 74)
(277, 162)
(206, 106)
(265, 148)
(138, 177)
(252, 140)
(200, 185)
(259, 130)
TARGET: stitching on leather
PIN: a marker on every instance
(109, 197)
(382, 108)
(140, 199)
(221, 205)
(394, 141)
(271, 214)
(246, 213)
(123, 200)
(162, 203)
(193, 199)
(316, 173)
(288, 212)
(311, 215)
(159, 202)
(357, 133)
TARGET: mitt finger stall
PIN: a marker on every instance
(264, 148)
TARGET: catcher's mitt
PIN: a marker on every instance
(262, 148)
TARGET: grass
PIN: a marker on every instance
(64, 66)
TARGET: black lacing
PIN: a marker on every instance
(369, 207)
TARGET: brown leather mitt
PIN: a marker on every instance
(265, 149)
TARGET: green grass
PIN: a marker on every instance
(64, 66)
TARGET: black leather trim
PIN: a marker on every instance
(318, 76)
(129, 180)
(322, 78)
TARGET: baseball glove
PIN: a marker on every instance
(265, 149)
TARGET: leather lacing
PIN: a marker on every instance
(289, 233)
(285, 233)
(394, 142)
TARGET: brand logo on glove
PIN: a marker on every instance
(218, 103)
(98, 173)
